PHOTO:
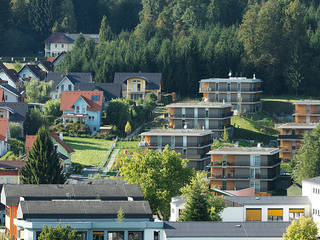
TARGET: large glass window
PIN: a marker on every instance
(98, 235)
(295, 214)
(135, 236)
(275, 214)
(119, 235)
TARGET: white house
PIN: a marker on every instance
(4, 136)
(311, 189)
(9, 93)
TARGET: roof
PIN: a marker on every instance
(198, 105)
(153, 79)
(11, 73)
(42, 192)
(19, 110)
(31, 138)
(232, 79)
(269, 200)
(3, 128)
(300, 125)
(94, 181)
(312, 180)
(176, 132)
(12, 164)
(245, 150)
(10, 89)
(110, 90)
(68, 98)
(35, 69)
(2, 66)
(47, 65)
(51, 59)
(225, 229)
(74, 77)
(59, 37)
(83, 209)
(308, 102)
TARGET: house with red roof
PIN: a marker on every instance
(4, 136)
(83, 106)
(63, 149)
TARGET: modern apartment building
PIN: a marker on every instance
(200, 115)
(243, 93)
(307, 117)
(307, 111)
(238, 168)
(291, 136)
(192, 144)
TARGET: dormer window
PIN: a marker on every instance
(95, 98)
(83, 109)
(77, 109)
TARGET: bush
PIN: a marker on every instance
(17, 146)
(76, 168)
(9, 156)
(71, 129)
(15, 130)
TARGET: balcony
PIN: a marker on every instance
(291, 136)
(134, 90)
(230, 176)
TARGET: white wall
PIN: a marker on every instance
(5, 77)
(26, 73)
(312, 190)
(233, 214)
(9, 96)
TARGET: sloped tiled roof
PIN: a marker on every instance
(19, 109)
(58, 37)
(2, 66)
(68, 98)
(30, 139)
(3, 128)
(74, 77)
(47, 65)
(110, 90)
(36, 70)
(51, 59)
(12, 164)
(153, 79)
(11, 73)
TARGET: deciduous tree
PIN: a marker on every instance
(63, 233)
(304, 229)
(160, 175)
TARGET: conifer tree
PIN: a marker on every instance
(120, 215)
(42, 165)
(127, 128)
(105, 33)
(225, 135)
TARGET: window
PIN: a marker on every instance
(224, 160)
(98, 235)
(183, 112)
(62, 87)
(77, 109)
(135, 235)
(217, 86)
(239, 87)
(255, 160)
(56, 147)
(94, 129)
(173, 141)
(83, 109)
(156, 235)
(229, 87)
(6, 97)
(207, 112)
(70, 87)
(184, 151)
(62, 45)
(224, 185)
(253, 214)
(55, 45)
(95, 98)
(116, 235)
(295, 214)
(275, 214)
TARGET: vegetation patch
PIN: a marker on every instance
(88, 151)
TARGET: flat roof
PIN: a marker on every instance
(176, 132)
(199, 105)
(225, 229)
(232, 79)
(245, 150)
(308, 102)
(269, 200)
(312, 180)
(297, 125)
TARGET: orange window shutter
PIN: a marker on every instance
(296, 210)
(275, 212)
(253, 215)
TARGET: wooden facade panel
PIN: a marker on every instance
(216, 184)
(300, 109)
(300, 119)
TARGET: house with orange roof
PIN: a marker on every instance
(82, 106)
(4, 136)
(63, 149)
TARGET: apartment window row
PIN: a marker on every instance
(316, 190)
(56, 45)
(316, 212)
(276, 214)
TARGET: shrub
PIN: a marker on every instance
(15, 130)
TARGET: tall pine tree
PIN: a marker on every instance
(105, 33)
(42, 165)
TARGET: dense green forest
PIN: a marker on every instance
(186, 40)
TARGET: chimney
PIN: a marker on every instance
(61, 136)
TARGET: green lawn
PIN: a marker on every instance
(88, 151)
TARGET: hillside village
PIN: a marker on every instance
(159, 120)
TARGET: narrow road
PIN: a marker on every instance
(112, 159)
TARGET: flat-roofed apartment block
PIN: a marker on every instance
(192, 144)
(238, 168)
(243, 93)
(201, 115)
(307, 117)
(291, 136)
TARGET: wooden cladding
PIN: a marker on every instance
(253, 214)
(275, 212)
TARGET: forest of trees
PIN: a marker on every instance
(186, 40)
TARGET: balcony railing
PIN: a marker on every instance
(135, 90)
(223, 89)
(232, 176)
(292, 136)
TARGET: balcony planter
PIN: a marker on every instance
(217, 163)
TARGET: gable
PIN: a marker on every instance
(27, 72)
(80, 102)
(6, 77)
(65, 81)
